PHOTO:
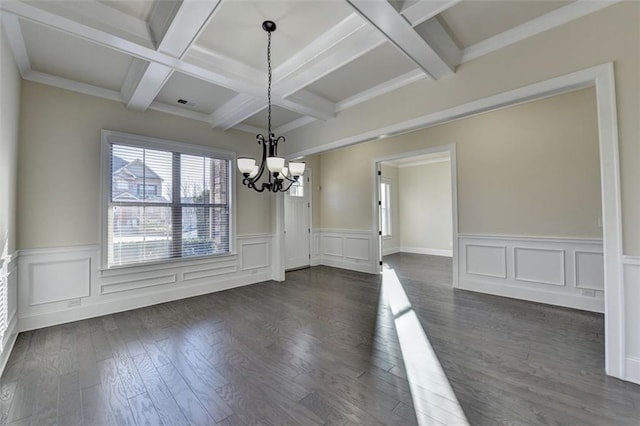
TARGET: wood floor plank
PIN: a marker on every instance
(70, 399)
(187, 401)
(144, 412)
(87, 362)
(130, 378)
(7, 391)
(114, 396)
(159, 393)
(93, 406)
(26, 386)
(202, 382)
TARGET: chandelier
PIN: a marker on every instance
(278, 179)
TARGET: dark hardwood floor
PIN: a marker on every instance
(322, 348)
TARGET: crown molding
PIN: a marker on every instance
(72, 85)
(419, 11)
(298, 122)
(381, 89)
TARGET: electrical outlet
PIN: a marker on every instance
(74, 302)
(589, 293)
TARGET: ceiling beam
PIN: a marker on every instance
(398, 31)
(15, 39)
(236, 110)
(181, 33)
(416, 12)
(346, 41)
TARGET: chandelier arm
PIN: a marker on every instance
(283, 189)
(261, 141)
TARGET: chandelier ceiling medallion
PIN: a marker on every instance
(278, 179)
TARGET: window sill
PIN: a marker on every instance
(166, 264)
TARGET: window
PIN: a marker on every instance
(164, 200)
(385, 207)
(146, 190)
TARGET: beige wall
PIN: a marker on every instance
(531, 169)
(391, 173)
(59, 163)
(425, 207)
(610, 35)
(10, 81)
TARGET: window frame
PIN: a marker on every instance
(109, 137)
(388, 195)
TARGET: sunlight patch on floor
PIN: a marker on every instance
(433, 399)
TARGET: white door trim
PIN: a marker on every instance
(308, 195)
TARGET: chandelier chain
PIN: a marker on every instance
(269, 85)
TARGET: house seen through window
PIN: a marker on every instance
(166, 204)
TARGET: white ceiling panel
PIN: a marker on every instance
(471, 22)
(59, 54)
(140, 9)
(381, 64)
(104, 16)
(236, 28)
(201, 96)
(279, 117)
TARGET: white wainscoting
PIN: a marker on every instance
(631, 266)
(9, 269)
(558, 271)
(59, 285)
(345, 248)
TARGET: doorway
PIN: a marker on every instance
(418, 215)
(297, 223)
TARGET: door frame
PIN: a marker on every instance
(376, 165)
(309, 195)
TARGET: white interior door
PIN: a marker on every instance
(297, 228)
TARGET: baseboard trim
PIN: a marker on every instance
(364, 267)
(429, 251)
(633, 369)
(391, 250)
(9, 341)
(533, 295)
(47, 319)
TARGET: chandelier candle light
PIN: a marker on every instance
(278, 174)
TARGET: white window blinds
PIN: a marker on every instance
(166, 204)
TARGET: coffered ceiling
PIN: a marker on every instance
(328, 55)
